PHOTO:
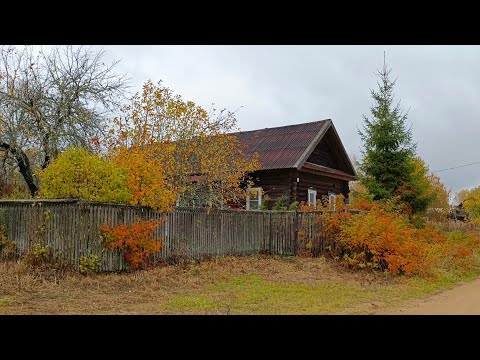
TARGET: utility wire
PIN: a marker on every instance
(456, 167)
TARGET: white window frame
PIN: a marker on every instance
(332, 197)
(259, 192)
(314, 192)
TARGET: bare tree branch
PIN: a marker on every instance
(51, 100)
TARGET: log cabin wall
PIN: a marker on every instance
(280, 182)
(276, 182)
(322, 184)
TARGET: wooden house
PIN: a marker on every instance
(302, 161)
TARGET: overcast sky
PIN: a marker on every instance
(282, 85)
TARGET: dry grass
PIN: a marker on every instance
(230, 285)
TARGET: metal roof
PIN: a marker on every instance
(282, 147)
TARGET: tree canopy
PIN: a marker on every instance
(471, 204)
(201, 161)
(50, 100)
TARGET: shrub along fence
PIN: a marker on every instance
(71, 229)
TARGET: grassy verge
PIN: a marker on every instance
(248, 285)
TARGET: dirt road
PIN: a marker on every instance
(461, 300)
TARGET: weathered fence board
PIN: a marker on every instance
(71, 230)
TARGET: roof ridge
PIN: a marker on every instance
(284, 126)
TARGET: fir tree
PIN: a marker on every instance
(388, 148)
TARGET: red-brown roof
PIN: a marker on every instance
(282, 147)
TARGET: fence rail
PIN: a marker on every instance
(71, 229)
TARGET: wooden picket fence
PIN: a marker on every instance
(71, 229)
(452, 225)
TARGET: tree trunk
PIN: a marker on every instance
(46, 161)
(23, 165)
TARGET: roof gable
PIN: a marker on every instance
(329, 152)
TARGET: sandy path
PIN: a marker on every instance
(461, 300)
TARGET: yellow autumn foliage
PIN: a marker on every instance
(79, 174)
(193, 148)
(471, 204)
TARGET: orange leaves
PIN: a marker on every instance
(146, 178)
(175, 139)
(386, 240)
(463, 251)
(361, 204)
(137, 240)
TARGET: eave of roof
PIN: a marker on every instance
(324, 170)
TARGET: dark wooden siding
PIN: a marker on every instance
(276, 183)
(322, 155)
(322, 184)
(329, 153)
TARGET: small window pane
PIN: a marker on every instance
(332, 199)
(312, 197)
(254, 199)
(254, 194)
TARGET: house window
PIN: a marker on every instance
(254, 198)
(332, 199)
(312, 197)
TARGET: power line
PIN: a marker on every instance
(456, 167)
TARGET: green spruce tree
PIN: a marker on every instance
(388, 151)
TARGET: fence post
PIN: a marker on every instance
(270, 233)
(295, 245)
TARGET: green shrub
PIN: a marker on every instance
(80, 174)
(293, 205)
(89, 264)
(418, 221)
(39, 255)
(281, 203)
(7, 247)
(265, 205)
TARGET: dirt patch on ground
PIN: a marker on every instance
(461, 300)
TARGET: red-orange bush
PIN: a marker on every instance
(387, 241)
(458, 252)
(137, 240)
(384, 238)
(379, 237)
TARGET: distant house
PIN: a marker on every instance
(458, 213)
(303, 161)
